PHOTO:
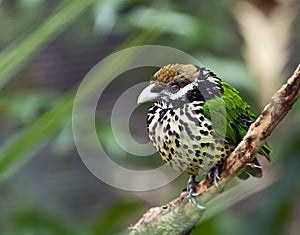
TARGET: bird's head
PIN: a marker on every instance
(177, 83)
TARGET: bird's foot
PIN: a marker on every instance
(192, 194)
(215, 175)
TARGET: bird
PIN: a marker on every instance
(196, 121)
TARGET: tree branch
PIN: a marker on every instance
(179, 216)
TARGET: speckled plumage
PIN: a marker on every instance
(197, 120)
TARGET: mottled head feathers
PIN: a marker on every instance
(173, 72)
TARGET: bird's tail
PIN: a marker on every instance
(265, 151)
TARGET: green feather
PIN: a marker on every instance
(231, 117)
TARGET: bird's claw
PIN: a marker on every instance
(194, 202)
(192, 194)
(214, 173)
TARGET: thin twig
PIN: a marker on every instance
(178, 216)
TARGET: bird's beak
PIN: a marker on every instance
(148, 94)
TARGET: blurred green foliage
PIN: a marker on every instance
(47, 47)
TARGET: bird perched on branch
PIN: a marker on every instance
(197, 120)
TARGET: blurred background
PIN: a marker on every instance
(47, 47)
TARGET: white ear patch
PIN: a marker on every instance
(182, 91)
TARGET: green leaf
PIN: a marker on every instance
(19, 53)
(16, 151)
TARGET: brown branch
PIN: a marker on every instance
(179, 216)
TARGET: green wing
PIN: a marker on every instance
(231, 117)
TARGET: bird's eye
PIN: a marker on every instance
(174, 88)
